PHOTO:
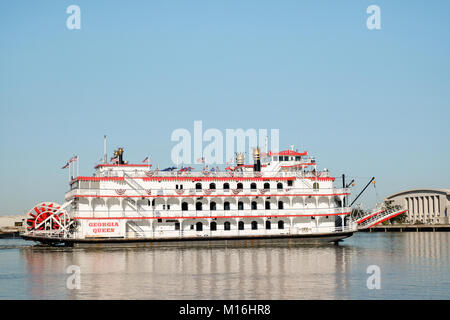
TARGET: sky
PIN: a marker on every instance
(363, 102)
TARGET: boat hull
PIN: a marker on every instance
(245, 241)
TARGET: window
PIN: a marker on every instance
(290, 182)
(198, 186)
(226, 186)
(254, 225)
(226, 205)
(280, 158)
(254, 205)
(241, 225)
(177, 226)
(253, 186)
(286, 158)
(184, 206)
(297, 158)
(227, 226)
(212, 186)
(316, 186)
(240, 186)
(212, 206)
(213, 226)
(268, 225)
(280, 205)
(281, 224)
(267, 204)
(198, 206)
(266, 185)
(279, 186)
(240, 205)
(199, 226)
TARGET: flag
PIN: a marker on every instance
(201, 160)
(114, 160)
(66, 166)
(230, 161)
(73, 159)
(146, 160)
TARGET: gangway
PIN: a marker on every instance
(377, 216)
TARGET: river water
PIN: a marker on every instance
(412, 265)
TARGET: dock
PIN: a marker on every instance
(409, 228)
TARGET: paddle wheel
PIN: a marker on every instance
(47, 216)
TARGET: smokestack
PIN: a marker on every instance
(256, 159)
(120, 153)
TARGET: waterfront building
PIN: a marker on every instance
(430, 206)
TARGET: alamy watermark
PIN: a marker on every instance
(220, 148)
(74, 280)
(374, 20)
(73, 21)
(374, 280)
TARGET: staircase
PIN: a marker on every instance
(377, 216)
(136, 228)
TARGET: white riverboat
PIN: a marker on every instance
(281, 198)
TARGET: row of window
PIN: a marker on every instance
(240, 185)
(226, 205)
(227, 225)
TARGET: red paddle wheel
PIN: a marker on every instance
(46, 216)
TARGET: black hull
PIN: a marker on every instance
(247, 241)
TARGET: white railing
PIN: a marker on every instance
(225, 174)
(163, 214)
(286, 191)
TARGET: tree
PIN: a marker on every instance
(401, 218)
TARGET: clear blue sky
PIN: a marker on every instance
(365, 103)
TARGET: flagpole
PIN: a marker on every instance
(78, 171)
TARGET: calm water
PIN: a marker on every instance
(412, 265)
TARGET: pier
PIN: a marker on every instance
(409, 228)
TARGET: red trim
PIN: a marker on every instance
(301, 165)
(99, 178)
(197, 178)
(158, 178)
(212, 195)
(287, 153)
(206, 217)
(320, 178)
(121, 165)
(372, 215)
(218, 178)
(387, 218)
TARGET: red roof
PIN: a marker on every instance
(288, 153)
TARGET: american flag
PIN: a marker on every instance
(146, 160)
(65, 166)
(114, 160)
(201, 160)
(73, 159)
